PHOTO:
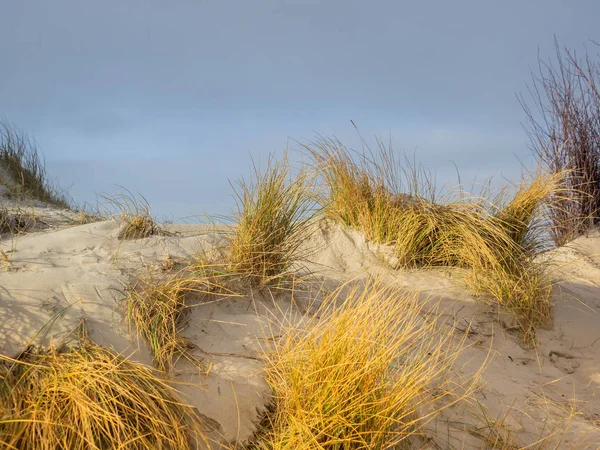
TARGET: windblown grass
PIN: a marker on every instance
(524, 214)
(495, 241)
(134, 212)
(360, 374)
(158, 309)
(517, 280)
(90, 398)
(21, 159)
(359, 189)
(497, 244)
(15, 221)
(273, 222)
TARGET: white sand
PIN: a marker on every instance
(67, 273)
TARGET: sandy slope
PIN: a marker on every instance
(61, 274)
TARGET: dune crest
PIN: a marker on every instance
(54, 277)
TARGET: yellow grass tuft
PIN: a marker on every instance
(134, 212)
(90, 398)
(361, 374)
(520, 216)
(495, 241)
(273, 221)
(157, 309)
(497, 252)
(139, 226)
(358, 189)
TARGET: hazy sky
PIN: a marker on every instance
(170, 98)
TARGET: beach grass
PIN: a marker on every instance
(272, 223)
(14, 221)
(496, 238)
(158, 306)
(133, 211)
(26, 169)
(365, 372)
(87, 397)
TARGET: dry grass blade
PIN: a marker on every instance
(90, 398)
(496, 243)
(518, 281)
(523, 215)
(496, 434)
(273, 222)
(362, 191)
(359, 376)
(134, 212)
(157, 309)
(15, 221)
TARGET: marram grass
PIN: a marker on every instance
(272, 224)
(89, 398)
(21, 159)
(15, 221)
(358, 191)
(361, 374)
(495, 241)
(134, 213)
(157, 309)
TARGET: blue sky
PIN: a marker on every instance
(171, 98)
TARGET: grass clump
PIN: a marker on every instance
(359, 191)
(134, 213)
(21, 160)
(517, 279)
(272, 223)
(90, 398)
(14, 221)
(496, 241)
(158, 310)
(358, 375)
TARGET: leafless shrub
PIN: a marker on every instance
(564, 130)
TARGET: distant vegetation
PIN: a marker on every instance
(564, 127)
(22, 162)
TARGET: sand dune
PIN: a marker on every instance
(55, 276)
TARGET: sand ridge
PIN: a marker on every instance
(57, 276)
